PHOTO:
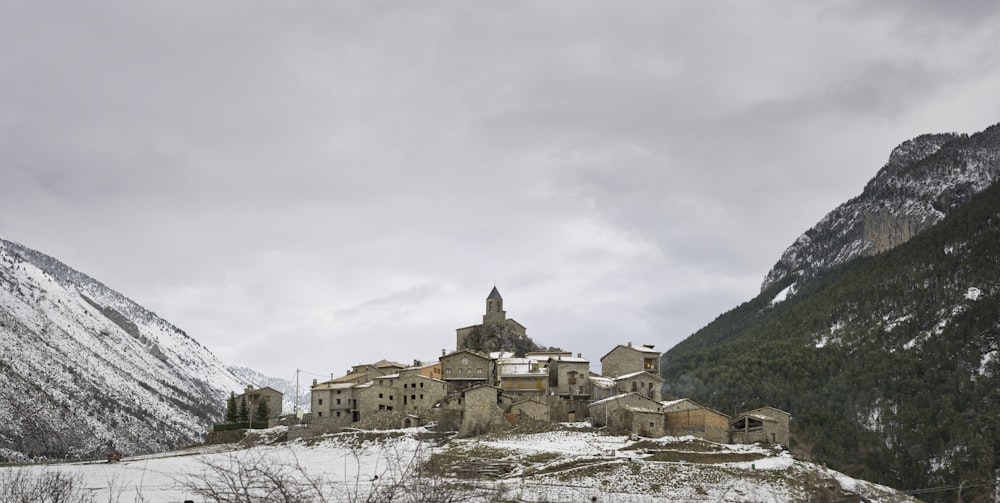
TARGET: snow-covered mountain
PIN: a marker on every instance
(83, 369)
(925, 179)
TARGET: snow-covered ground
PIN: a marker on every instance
(571, 464)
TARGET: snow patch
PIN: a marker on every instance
(783, 294)
(973, 293)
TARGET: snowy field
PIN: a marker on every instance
(567, 465)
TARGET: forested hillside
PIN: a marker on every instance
(888, 363)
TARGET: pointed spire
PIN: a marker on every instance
(494, 294)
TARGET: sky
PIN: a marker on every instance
(314, 185)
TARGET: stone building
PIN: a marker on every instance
(624, 360)
(645, 422)
(686, 417)
(767, 425)
(532, 408)
(481, 411)
(496, 333)
(420, 393)
(522, 377)
(254, 397)
(601, 411)
(639, 382)
(569, 377)
(465, 369)
(334, 403)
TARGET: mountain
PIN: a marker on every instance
(925, 179)
(285, 386)
(888, 362)
(83, 369)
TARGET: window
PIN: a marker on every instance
(321, 401)
(338, 391)
(572, 378)
(650, 425)
(447, 370)
(465, 361)
(479, 370)
(414, 397)
(421, 397)
(390, 397)
(404, 385)
(338, 413)
(634, 387)
(380, 395)
(421, 385)
(338, 401)
(320, 414)
(649, 364)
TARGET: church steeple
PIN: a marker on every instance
(494, 306)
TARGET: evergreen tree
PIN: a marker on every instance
(260, 416)
(231, 412)
(244, 412)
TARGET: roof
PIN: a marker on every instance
(620, 396)
(641, 349)
(334, 385)
(471, 352)
(602, 382)
(569, 359)
(635, 374)
(386, 363)
(494, 294)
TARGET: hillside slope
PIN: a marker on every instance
(83, 369)
(925, 179)
(889, 364)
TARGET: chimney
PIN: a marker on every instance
(579, 355)
(314, 382)
(416, 363)
(650, 346)
(443, 352)
(629, 343)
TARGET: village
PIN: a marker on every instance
(475, 393)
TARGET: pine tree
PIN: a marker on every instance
(263, 411)
(244, 413)
(231, 412)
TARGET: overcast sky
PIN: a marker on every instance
(319, 184)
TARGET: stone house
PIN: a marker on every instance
(767, 425)
(687, 417)
(601, 411)
(481, 411)
(254, 397)
(464, 369)
(627, 359)
(639, 382)
(644, 422)
(522, 377)
(420, 393)
(382, 393)
(569, 377)
(335, 404)
(360, 374)
(531, 408)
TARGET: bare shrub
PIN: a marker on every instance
(21, 486)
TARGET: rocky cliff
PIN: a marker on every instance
(924, 179)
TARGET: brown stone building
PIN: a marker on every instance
(687, 417)
(767, 425)
(254, 397)
(496, 333)
(602, 411)
(627, 359)
(641, 382)
(481, 411)
(569, 377)
(464, 369)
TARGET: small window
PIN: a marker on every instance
(414, 397)
(479, 370)
(421, 397)
(650, 425)
(447, 370)
(338, 401)
(321, 401)
(380, 395)
(421, 385)
(338, 391)
(465, 361)
(320, 414)
(338, 413)
(390, 397)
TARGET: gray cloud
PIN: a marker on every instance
(359, 175)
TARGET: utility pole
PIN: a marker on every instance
(297, 416)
